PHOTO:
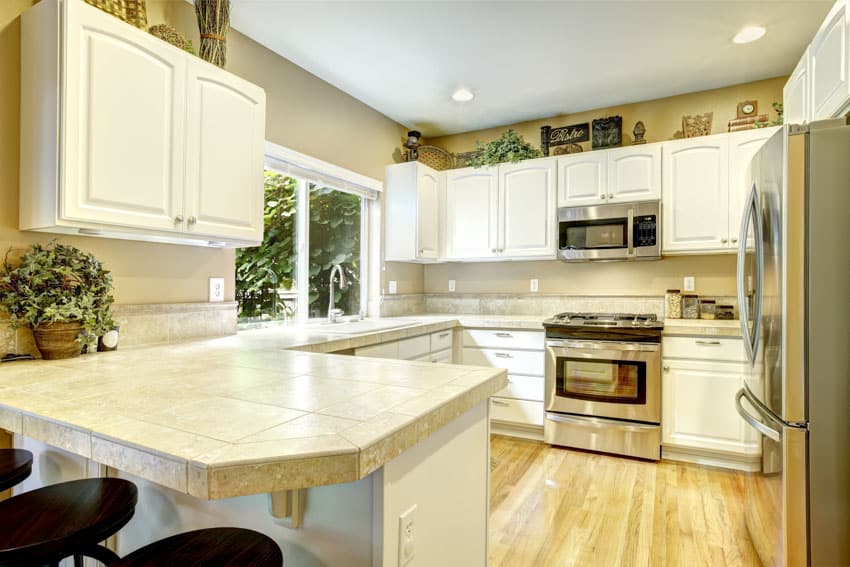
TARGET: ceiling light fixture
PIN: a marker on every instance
(463, 95)
(749, 34)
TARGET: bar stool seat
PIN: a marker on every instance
(213, 547)
(66, 519)
(15, 466)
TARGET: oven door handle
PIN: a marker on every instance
(589, 345)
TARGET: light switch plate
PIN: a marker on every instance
(216, 289)
(688, 283)
(393, 287)
(535, 285)
(451, 285)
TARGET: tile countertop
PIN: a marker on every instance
(238, 415)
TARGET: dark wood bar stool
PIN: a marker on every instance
(213, 547)
(43, 526)
(15, 466)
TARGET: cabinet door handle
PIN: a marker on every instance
(443, 335)
(709, 343)
(500, 403)
(503, 355)
(178, 218)
(504, 335)
(666, 369)
(192, 220)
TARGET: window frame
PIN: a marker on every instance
(306, 170)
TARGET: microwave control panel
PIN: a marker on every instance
(646, 230)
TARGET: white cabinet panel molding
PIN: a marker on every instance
(582, 179)
(634, 173)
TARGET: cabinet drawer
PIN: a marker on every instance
(443, 357)
(441, 340)
(497, 338)
(414, 348)
(526, 362)
(516, 411)
(384, 350)
(523, 388)
(704, 348)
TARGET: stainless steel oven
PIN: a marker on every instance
(603, 383)
(627, 231)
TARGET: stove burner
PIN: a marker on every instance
(568, 319)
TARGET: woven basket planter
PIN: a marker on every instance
(58, 340)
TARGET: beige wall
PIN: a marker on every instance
(715, 274)
(662, 117)
(303, 113)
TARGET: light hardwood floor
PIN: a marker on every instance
(553, 507)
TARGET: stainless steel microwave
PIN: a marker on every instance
(625, 231)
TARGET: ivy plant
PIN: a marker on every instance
(57, 283)
(509, 147)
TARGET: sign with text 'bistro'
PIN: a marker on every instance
(564, 135)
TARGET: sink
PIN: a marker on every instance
(355, 327)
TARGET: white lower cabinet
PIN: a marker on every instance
(699, 423)
(518, 407)
(433, 347)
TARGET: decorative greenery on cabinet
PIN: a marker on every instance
(509, 147)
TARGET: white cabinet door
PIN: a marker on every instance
(696, 194)
(634, 173)
(795, 94)
(428, 214)
(742, 147)
(527, 209)
(124, 112)
(830, 89)
(582, 179)
(699, 407)
(472, 204)
(225, 144)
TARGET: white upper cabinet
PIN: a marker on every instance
(124, 104)
(634, 173)
(795, 94)
(742, 147)
(582, 179)
(696, 194)
(126, 136)
(413, 197)
(527, 208)
(472, 213)
(224, 154)
(828, 65)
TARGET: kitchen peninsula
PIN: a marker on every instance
(240, 431)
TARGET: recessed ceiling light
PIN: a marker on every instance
(749, 34)
(463, 95)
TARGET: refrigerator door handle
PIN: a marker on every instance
(762, 428)
(752, 215)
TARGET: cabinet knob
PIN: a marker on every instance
(192, 220)
(723, 240)
(494, 250)
(610, 195)
(178, 218)
(666, 369)
(734, 241)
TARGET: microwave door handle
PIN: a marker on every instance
(630, 237)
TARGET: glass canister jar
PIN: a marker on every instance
(725, 312)
(690, 306)
(673, 304)
(707, 309)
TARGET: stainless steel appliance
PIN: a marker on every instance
(625, 231)
(603, 383)
(794, 293)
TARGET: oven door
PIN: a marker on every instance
(604, 379)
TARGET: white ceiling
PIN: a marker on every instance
(523, 59)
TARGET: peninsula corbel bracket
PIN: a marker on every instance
(289, 504)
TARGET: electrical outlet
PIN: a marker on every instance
(535, 285)
(451, 285)
(407, 536)
(393, 287)
(689, 283)
(216, 289)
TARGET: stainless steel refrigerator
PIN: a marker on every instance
(794, 300)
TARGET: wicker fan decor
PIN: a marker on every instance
(131, 11)
(435, 157)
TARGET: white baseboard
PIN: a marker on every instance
(532, 432)
(748, 463)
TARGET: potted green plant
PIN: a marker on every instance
(509, 147)
(59, 291)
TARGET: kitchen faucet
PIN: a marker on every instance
(333, 312)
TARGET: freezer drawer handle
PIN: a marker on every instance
(756, 424)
